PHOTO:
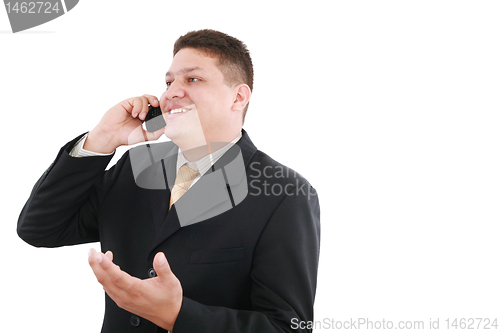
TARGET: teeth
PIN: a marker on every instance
(178, 111)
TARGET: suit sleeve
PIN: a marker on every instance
(62, 207)
(284, 276)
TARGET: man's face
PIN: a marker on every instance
(194, 78)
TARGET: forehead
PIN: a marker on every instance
(190, 60)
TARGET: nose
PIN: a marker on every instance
(175, 90)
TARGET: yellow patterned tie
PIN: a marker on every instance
(185, 177)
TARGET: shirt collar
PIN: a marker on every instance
(205, 163)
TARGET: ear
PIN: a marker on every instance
(241, 96)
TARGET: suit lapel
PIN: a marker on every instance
(210, 192)
(154, 169)
(159, 199)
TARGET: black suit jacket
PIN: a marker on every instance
(251, 268)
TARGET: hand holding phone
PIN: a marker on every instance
(122, 125)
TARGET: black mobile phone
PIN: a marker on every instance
(154, 119)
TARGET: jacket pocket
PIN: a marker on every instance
(217, 256)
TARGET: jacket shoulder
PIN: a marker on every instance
(264, 166)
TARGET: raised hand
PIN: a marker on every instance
(158, 299)
(122, 125)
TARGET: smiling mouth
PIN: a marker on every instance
(179, 110)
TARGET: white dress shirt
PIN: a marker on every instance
(205, 163)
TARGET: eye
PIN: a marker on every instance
(168, 83)
(193, 79)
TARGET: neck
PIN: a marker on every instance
(193, 150)
(219, 140)
(198, 146)
(195, 154)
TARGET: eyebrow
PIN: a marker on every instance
(184, 71)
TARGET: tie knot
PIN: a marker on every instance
(187, 174)
(185, 177)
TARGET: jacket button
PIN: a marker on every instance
(135, 321)
(151, 273)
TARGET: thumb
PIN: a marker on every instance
(161, 266)
(154, 135)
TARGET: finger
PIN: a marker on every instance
(117, 277)
(148, 99)
(161, 266)
(145, 107)
(118, 285)
(153, 100)
(109, 254)
(94, 259)
(137, 135)
(154, 135)
(137, 104)
(107, 273)
(93, 256)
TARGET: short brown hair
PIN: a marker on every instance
(234, 58)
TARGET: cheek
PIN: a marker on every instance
(204, 101)
(163, 100)
(214, 101)
(210, 103)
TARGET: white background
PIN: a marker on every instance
(389, 108)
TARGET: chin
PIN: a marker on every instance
(176, 135)
(171, 133)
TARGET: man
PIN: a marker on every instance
(246, 263)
